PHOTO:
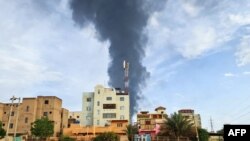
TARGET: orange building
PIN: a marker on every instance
(89, 132)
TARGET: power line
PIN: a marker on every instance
(240, 116)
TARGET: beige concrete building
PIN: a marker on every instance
(31, 109)
(103, 105)
(215, 137)
(75, 115)
(74, 118)
(189, 114)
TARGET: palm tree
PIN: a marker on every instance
(178, 125)
(130, 131)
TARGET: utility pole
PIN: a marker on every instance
(19, 99)
(11, 108)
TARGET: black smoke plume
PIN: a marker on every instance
(121, 22)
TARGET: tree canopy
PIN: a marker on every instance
(178, 125)
(221, 131)
(203, 134)
(66, 138)
(2, 131)
(42, 128)
(131, 130)
(107, 136)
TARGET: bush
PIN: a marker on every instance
(2, 131)
(66, 138)
(107, 136)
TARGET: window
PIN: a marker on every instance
(119, 124)
(88, 99)
(98, 112)
(109, 106)
(154, 116)
(45, 113)
(121, 98)
(26, 120)
(27, 108)
(77, 116)
(108, 98)
(98, 103)
(46, 102)
(88, 117)
(50, 112)
(4, 112)
(88, 108)
(70, 116)
(147, 122)
(121, 107)
(98, 91)
(11, 125)
(3, 124)
(122, 117)
(12, 113)
(109, 115)
(98, 122)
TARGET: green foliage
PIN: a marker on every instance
(178, 125)
(107, 136)
(221, 131)
(2, 131)
(131, 130)
(203, 134)
(66, 138)
(42, 128)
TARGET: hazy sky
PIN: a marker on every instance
(198, 56)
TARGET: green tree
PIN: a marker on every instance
(178, 125)
(107, 136)
(203, 134)
(42, 128)
(221, 131)
(130, 131)
(2, 131)
(66, 138)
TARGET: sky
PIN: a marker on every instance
(197, 54)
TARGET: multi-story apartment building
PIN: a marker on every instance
(149, 123)
(30, 109)
(104, 105)
(189, 114)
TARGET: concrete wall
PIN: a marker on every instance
(65, 114)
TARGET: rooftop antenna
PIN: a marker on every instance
(126, 81)
(211, 123)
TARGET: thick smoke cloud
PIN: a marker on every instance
(121, 22)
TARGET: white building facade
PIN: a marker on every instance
(104, 105)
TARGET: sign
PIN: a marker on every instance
(237, 132)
